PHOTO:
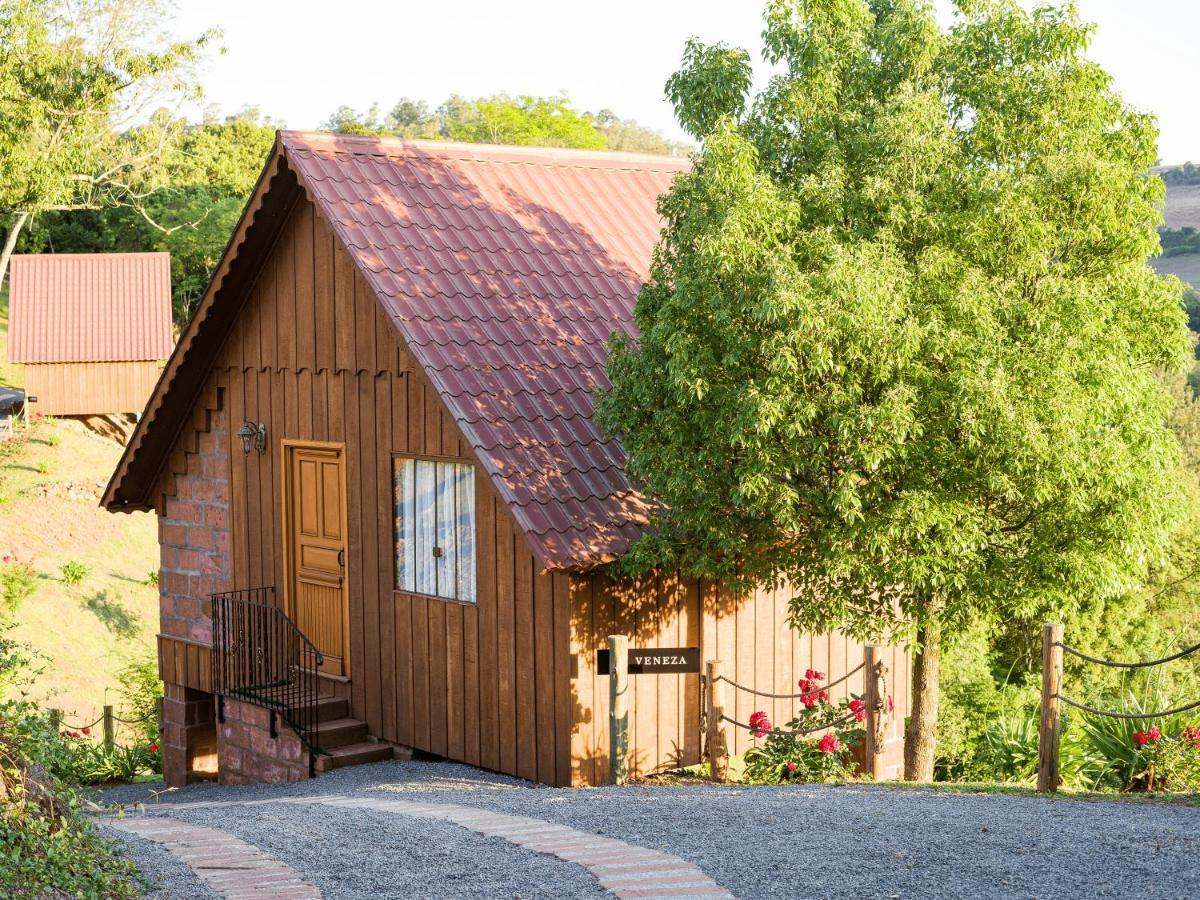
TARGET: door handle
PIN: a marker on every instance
(342, 557)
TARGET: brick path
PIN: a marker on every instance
(625, 870)
(230, 866)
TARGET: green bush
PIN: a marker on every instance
(1138, 754)
(807, 758)
(141, 691)
(73, 572)
(17, 584)
(48, 847)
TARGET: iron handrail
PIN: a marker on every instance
(260, 656)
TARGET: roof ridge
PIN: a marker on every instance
(493, 153)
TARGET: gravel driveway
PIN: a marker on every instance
(794, 842)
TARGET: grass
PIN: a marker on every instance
(87, 630)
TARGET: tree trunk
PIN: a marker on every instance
(10, 243)
(920, 738)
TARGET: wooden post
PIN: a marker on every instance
(1051, 726)
(109, 728)
(618, 708)
(718, 748)
(873, 670)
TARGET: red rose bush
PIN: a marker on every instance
(822, 752)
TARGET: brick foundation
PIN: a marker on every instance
(248, 753)
(189, 736)
(193, 533)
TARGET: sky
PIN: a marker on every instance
(300, 60)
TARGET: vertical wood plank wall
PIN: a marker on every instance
(314, 358)
(507, 683)
(90, 388)
(753, 640)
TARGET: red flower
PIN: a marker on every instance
(1140, 738)
(86, 730)
(1154, 733)
(1191, 734)
(791, 766)
(154, 748)
(806, 685)
(814, 675)
(891, 705)
(829, 744)
(759, 724)
(809, 700)
(856, 705)
(824, 696)
(861, 715)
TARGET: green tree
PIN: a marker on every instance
(900, 346)
(74, 78)
(524, 120)
(204, 179)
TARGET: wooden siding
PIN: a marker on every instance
(314, 358)
(185, 663)
(752, 639)
(93, 388)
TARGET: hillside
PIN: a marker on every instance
(50, 481)
(1182, 210)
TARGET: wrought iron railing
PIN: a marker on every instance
(260, 656)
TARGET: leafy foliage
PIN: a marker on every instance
(504, 119)
(73, 571)
(74, 80)
(787, 756)
(17, 583)
(899, 345)
(47, 845)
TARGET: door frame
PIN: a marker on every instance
(287, 447)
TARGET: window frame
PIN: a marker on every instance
(398, 455)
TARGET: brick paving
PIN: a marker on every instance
(627, 871)
(230, 866)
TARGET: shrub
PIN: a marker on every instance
(151, 578)
(87, 762)
(43, 467)
(17, 583)
(73, 572)
(53, 440)
(48, 847)
(807, 758)
(141, 689)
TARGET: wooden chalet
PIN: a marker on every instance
(385, 511)
(92, 330)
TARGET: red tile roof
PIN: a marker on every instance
(89, 307)
(505, 270)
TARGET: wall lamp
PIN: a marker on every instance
(253, 436)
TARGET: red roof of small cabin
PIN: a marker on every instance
(89, 307)
(504, 270)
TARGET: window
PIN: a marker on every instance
(435, 528)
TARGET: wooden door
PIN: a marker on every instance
(316, 552)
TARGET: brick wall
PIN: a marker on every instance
(249, 755)
(193, 533)
(189, 738)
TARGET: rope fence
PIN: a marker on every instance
(1050, 727)
(749, 690)
(108, 719)
(875, 690)
(758, 732)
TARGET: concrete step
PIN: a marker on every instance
(354, 755)
(340, 732)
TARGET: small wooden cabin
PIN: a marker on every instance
(385, 511)
(92, 330)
